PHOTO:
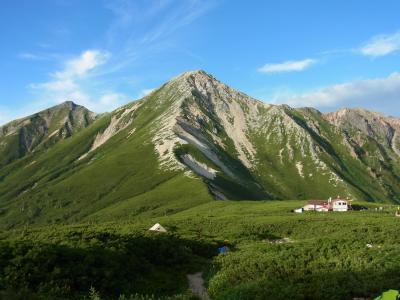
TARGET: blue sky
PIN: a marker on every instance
(102, 54)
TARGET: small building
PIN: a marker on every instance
(340, 205)
(317, 205)
(326, 205)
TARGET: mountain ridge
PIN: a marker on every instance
(194, 140)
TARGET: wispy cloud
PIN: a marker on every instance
(75, 69)
(139, 31)
(30, 56)
(128, 12)
(381, 45)
(70, 83)
(178, 18)
(373, 93)
(288, 66)
(38, 56)
(147, 30)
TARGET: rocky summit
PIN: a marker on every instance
(191, 141)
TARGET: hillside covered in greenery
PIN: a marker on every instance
(191, 141)
(274, 254)
(79, 191)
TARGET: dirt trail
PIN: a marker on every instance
(196, 285)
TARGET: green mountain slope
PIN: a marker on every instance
(189, 142)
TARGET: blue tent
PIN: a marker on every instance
(223, 250)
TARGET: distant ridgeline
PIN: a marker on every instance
(191, 141)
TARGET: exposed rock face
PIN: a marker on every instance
(206, 102)
(42, 129)
(385, 130)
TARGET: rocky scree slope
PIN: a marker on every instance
(193, 140)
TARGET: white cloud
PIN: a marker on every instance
(381, 94)
(288, 66)
(71, 83)
(81, 66)
(74, 70)
(382, 45)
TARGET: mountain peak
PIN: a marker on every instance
(195, 73)
(68, 103)
(42, 129)
(358, 115)
(207, 85)
(372, 124)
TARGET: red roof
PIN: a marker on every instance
(318, 202)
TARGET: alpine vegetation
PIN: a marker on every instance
(191, 141)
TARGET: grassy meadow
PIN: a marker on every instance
(274, 254)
